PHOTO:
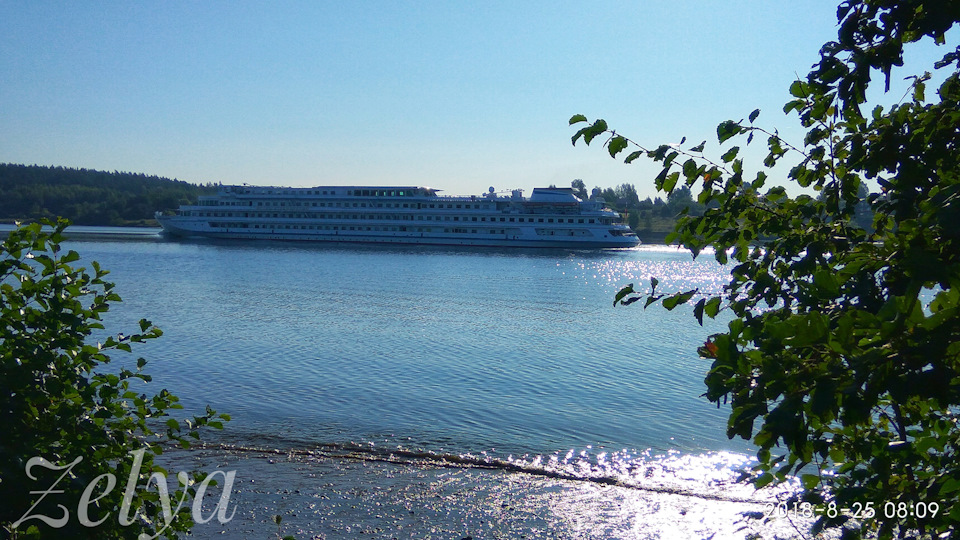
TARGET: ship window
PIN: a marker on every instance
(456, 218)
(592, 221)
(406, 205)
(349, 192)
(474, 219)
(511, 220)
(458, 206)
(550, 220)
(570, 220)
(503, 219)
(580, 220)
(540, 220)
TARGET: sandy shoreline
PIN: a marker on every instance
(331, 498)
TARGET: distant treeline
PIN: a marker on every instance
(88, 197)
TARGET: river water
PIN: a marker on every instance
(502, 375)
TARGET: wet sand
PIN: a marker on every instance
(326, 497)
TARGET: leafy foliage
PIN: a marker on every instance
(57, 400)
(88, 197)
(843, 352)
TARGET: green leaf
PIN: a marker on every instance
(955, 512)
(670, 182)
(810, 481)
(727, 129)
(918, 91)
(754, 115)
(598, 127)
(71, 256)
(616, 145)
(763, 480)
(712, 307)
(826, 281)
(577, 118)
(698, 310)
(674, 300)
(798, 89)
(622, 293)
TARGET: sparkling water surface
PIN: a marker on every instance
(429, 392)
(503, 352)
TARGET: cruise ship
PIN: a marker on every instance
(549, 218)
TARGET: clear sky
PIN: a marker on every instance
(455, 95)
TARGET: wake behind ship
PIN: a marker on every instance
(550, 217)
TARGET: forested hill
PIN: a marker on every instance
(87, 197)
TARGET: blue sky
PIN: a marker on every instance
(455, 95)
